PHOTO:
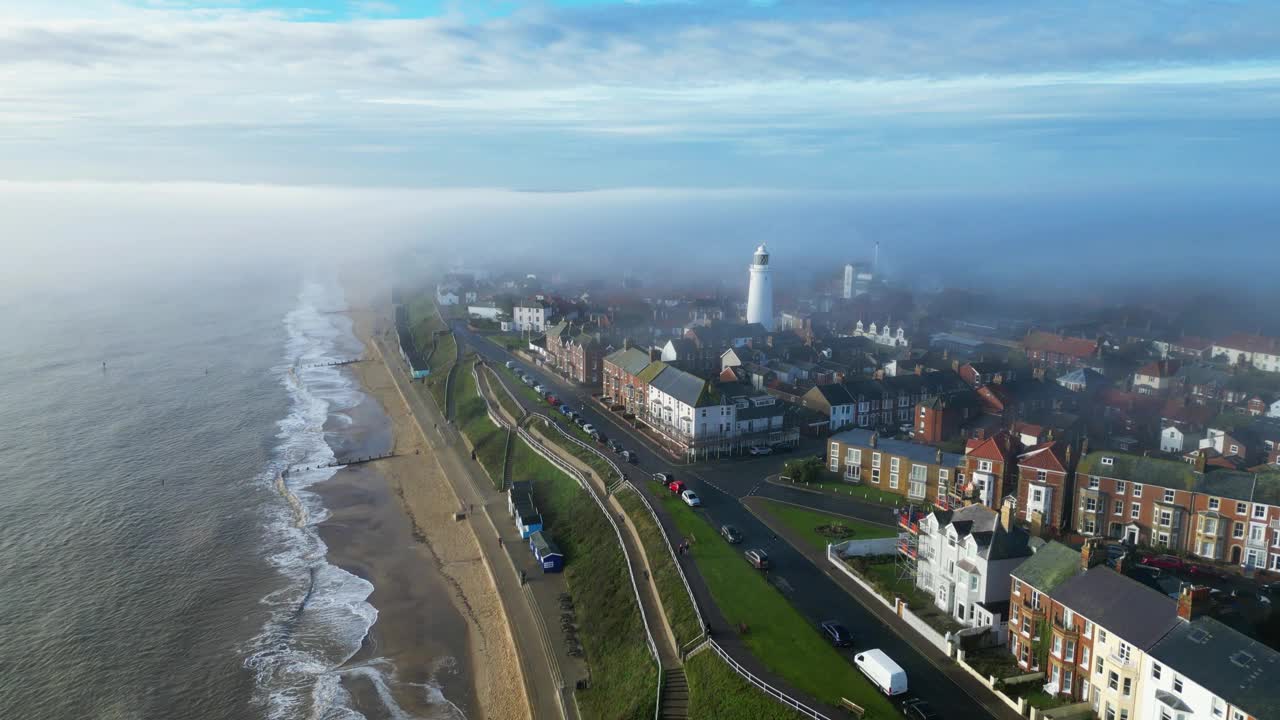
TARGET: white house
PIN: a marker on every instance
(685, 408)
(1242, 349)
(446, 294)
(530, 316)
(882, 335)
(1156, 377)
(965, 558)
(1204, 669)
(1273, 410)
(1173, 440)
(484, 312)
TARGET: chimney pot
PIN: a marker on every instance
(875, 439)
(1193, 601)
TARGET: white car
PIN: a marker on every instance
(690, 498)
(588, 428)
(760, 450)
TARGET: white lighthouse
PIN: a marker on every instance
(760, 292)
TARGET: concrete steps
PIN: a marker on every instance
(675, 695)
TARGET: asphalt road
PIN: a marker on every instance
(807, 587)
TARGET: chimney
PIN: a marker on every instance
(1037, 523)
(626, 343)
(1084, 447)
(938, 456)
(1193, 601)
(1008, 509)
(1092, 553)
(875, 439)
(1202, 461)
(955, 364)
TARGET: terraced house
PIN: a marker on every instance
(1221, 515)
(918, 473)
(889, 401)
(575, 352)
(622, 386)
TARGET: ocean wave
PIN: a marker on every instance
(320, 618)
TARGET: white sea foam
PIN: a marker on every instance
(317, 621)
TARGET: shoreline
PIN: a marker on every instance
(427, 501)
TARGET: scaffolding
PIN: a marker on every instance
(908, 557)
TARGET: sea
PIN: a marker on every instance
(155, 559)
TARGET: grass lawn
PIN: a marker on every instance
(624, 679)
(835, 528)
(716, 692)
(504, 399)
(440, 363)
(863, 492)
(473, 420)
(777, 633)
(993, 661)
(675, 600)
(884, 577)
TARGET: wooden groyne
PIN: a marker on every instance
(332, 363)
(340, 462)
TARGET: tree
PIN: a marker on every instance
(806, 470)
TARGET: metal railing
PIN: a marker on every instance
(768, 689)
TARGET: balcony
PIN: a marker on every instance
(1121, 661)
(909, 520)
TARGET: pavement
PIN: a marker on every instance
(816, 593)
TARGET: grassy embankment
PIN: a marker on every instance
(624, 678)
(426, 326)
(488, 439)
(866, 493)
(666, 577)
(777, 633)
(818, 528)
(716, 692)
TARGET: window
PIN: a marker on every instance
(1041, 476)
(1069, 654)
(1235, 449)
(893, 464)
(1017, 587)
(1090, 527)
(984, 465)
(875, 460)
(1217, 707)
(1102, 635)
(1119, 507)
(1137, 490)
(1177, 684)
(1240, 508)
(1123, 652)
(1260, 512)
(893, 480)
(1108, 461)
(1091, 504)
(1093, 483)
(1166, 518)
(1164, 714)
(1120, 487)
(1169, 495)
(1113, 680)
(1155, 671)
(1110, 714)
(835, 457)
(1237, 530)
(1057, 646)
(1128, 686)
(1135, 511)
(1099, 669)
(1214, 503)
(1088, 628)
(1084, 658)
(855, 456)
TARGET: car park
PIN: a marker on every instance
(730, 534)
(676, 486)
(758, 558)
(690, 498)
(836, 633)
(916, 709)
(760, 450)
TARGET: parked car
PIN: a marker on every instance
(577, 420)
(663, 477)
(566, 410)
(528, 380)
(758, 558)
(730, 534)
(596, 436)
(588, 428)
(760, 450)
(882, 671)
(916, 709)
(614, 445)
(628, 456)
(690, 498)
(540, 390)
(511, 364)
(1164, 562)
(552, 400)
(838, 634)
(1204, 570)
(676, 486)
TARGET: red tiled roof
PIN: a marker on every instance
(1045, 456)
(1160, 368)
(1048, 342)
(1250, 343)
(997, 447)
(1193, 342)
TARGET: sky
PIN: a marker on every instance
(814, 95)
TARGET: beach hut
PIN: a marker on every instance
(548, 555)
(520, 491)
(528, 522)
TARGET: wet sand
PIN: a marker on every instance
(427, 503)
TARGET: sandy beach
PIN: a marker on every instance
(428, 501)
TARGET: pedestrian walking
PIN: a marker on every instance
(522, 578)
(499, 541)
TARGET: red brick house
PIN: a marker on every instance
(1046, 487)
(992, 469)
(940, 418)
(575, 353)
(1049, 350)
(621, 385)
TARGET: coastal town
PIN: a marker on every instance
(943, 515)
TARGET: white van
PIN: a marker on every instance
(883, 672)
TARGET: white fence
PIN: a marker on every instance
(768, 689)
(897, 605)
(874, 546)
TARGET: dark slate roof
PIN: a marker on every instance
(1122, 605)
(688, 389)
(1227, 663)
(753, 412)
(631, 360)
(1234, 484)
(683, 347)
(859, 437)
(851, 391)
(1051, 566)
(722, 334)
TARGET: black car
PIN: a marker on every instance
(838, 634)
(614, 445)
(917, 709)
(663, 478)
(730, 534)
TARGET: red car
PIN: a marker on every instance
(553, 400)
(1164, 562)
(676, 486)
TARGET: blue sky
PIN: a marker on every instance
(569, 94)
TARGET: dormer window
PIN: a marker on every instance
(1108, 461)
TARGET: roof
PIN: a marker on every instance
(998, 446)
(631, 360)
(1250, 343)
(543, 545)
(1123, 605)
(651, 371)
(1227, 663)
(1083, 376)
(859, 437)
(1234, 484)
(1160, 368)
(1050, 567)
(1045, 456)
(851, 391)
(684, 387)
(1048, 342)
(720, 333)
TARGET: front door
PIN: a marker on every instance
(1252, 559)
(1235, 555)
(1131, 535)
